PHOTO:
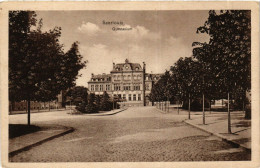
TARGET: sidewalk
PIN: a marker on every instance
(46, 133)
(216, 124)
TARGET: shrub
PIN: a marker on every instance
(81, 107)
(91, 108)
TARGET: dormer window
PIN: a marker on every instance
(126, 67)
(136, 68)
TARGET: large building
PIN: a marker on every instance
(128, 81)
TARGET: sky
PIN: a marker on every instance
(158, 38)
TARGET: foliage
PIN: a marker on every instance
(78, 94)
(163, 89)
(98, 102)
(228, 52)
(91, 107)
(38, 67)
(81, 107)
(106, 104)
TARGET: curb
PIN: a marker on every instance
(104, 114)
(235, 144)
(15, 152)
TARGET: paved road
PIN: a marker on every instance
(137, 134)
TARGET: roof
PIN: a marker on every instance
(127, 66)
(99, 76)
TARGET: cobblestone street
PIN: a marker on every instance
(136, 134)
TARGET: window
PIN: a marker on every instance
(116, 87)
(101, 87)
(128, 77)
(92, 87)
(129, 97)
(124, 96)
(126, 87)
(137, 87)
(96, 87)
(139, 97)
(146, 87)
(134, 97)
(107, 87)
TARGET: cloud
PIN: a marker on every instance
(89, 28)
(138, 45)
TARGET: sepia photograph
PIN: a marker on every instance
(130, 85)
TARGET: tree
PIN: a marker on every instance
(38, 67)
(78, 94)
(229, 50)
(98, 102)
(187, 73)
(106, 104)
(91, 107)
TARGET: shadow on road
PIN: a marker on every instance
(16, 130)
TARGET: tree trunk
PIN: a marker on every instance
(26, 107)
(189, 106)
(229, 118)
(210, 106)
(178, 107)
(203, 108)
(168, 102)
(244, 106)
(10, 107)
(29, 111)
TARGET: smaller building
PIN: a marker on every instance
(37, 105)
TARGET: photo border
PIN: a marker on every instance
(124, 5)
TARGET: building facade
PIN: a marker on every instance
(127, 81)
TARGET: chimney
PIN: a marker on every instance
(113, 65)
(144, 65)
(92, 75)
